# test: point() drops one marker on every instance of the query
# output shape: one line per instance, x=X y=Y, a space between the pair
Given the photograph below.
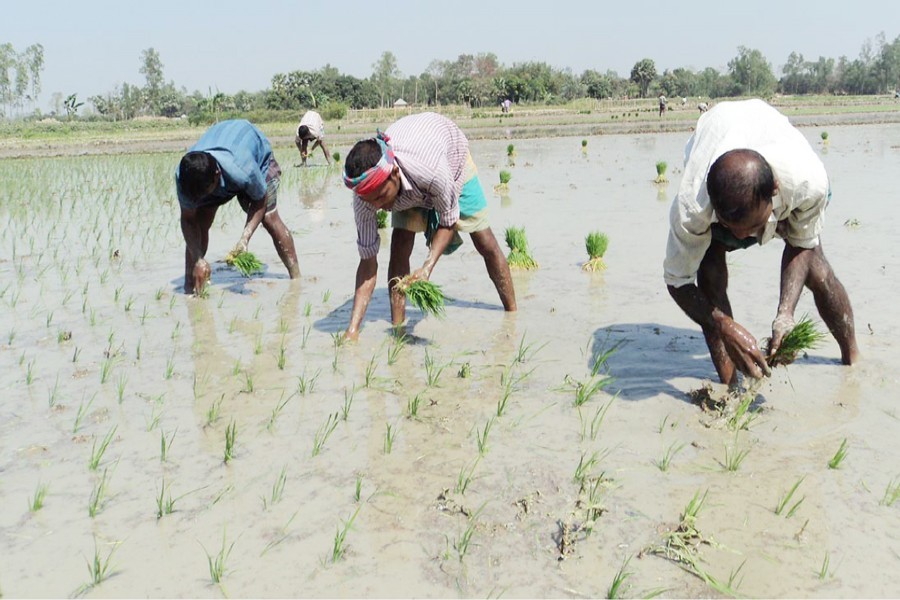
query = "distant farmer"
x=662 y=104
x=749 y=175
x=311 y=129
x=505 y=105
x=421 y=170
x=233 y=158
x=703 y=107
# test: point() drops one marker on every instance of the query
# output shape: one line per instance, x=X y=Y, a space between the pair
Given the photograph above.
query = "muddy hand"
x=781 y=326
x=743 y=350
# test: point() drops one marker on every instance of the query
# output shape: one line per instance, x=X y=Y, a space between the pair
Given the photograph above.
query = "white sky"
x=229 y=45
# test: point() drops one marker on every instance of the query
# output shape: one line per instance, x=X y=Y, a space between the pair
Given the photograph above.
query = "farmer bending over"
x=311 y=129
x=233 y=158
x=749 y=175
x=421 y=170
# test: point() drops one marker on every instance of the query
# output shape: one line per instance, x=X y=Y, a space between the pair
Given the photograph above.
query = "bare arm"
x=439 y=242
x=321 y=144
x=795 y=264
x=740 y=345
x=194 y=279
x=365 y=286
x=254 y=218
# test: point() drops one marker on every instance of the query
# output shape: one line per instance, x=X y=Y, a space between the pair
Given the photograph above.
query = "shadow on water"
x=648 y=356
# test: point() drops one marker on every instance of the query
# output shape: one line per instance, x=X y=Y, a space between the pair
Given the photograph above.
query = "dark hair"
x=302 y=131
x=363 y=156
x=737 y=182
x=196 y=173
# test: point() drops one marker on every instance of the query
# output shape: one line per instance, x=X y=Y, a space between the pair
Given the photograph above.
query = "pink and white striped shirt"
x=430 y=151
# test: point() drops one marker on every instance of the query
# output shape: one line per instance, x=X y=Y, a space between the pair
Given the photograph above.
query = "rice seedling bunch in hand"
x=245 y=262
x=518 y=249
x=381 y=218
x=423 y=294
x=595 y=243
x=804 y=336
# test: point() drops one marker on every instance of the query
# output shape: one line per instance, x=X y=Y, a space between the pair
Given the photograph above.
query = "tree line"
x=476 y=80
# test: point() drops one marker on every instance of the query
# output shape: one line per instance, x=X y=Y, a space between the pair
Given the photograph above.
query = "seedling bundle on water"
x=661 y=167
x=595 y=243
x=518 y=249
x=804 y=336
x=245 y=262
x=423 y=294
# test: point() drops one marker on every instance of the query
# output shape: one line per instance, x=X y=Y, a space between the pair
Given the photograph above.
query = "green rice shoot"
x=423 y=294
x=245 y=262
x=518 y=257
x=595 y=243
x=505 y=176
x=804 y=336
x=381 y=218
x=661 y=167
x=336 y=156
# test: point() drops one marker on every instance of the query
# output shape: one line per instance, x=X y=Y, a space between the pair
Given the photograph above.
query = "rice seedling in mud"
x=281 y=536
x=97 y=452
x=804 y=336
x=217 y=565
x=482 y=436
x=165 y=444
x=503 y=186
x=616 y=588
x=526 y=352
x=121 y=382
x=425 y=295
x=595 y=243
x=214 y=411
x=743 y=416
x=389 y=435
x=585 y=390
x=839 y=456
x=29 y=372
x=98 y=568
x=248 y=382
x=277 y=491
x=336 y=157
x=339 y=547
x=98 y=495
x=307 y=383
x=170 y=367
x=518 y=257
x=106 y=366
x=245 y=262
x=661 y=167
x=785 y=500
x=381 y=218
x=398 y=343
x=304 y=337
x=326 y=296
x=53 y=394
x=348 y=402
x=509 y=383
x=357 y=489
x=36 y=502
x=323 y=433
x=584 y=145
x=433 y=370
x=307 y=309
x=230 y=437
x=585 y=467
x=258 y=344
x=165 y=503
x=276 y=412
x=823 y=572
x=466 y=475
x=465 y=371
x=824 y=136
x=682 y=546
x=734 y=457
x=412 y=406
x=891 y=493
x=464 y=540
x=665 y=462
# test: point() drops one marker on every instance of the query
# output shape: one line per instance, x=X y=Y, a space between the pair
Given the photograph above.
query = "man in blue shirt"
x=233 y=158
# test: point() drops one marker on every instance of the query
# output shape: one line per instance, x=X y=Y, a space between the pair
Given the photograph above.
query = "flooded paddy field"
x=152 y=442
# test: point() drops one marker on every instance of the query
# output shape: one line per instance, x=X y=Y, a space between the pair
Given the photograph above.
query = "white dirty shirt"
x=799 y=200
x=314 y=121
x=431 y=152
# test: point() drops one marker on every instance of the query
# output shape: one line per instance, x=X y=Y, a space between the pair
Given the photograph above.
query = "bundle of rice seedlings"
x=518 y=249
x=336 y=156
x=510 y=150
x=804 y=336
x=245 y=262
x=381 y=217
x=423 y=294
x=661 y=167
x=503 y=186
x=595 y=243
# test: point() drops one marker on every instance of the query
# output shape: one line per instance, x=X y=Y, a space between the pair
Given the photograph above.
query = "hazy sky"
x=228 y=45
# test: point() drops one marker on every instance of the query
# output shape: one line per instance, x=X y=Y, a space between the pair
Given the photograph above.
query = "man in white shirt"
x=311 y=129
x=750 y=175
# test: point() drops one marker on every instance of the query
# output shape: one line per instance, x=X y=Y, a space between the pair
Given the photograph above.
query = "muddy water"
x=96 y=339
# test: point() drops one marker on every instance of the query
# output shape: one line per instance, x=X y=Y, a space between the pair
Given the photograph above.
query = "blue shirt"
x=243 y=154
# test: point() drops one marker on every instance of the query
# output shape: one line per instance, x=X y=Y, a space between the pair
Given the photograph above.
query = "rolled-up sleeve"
x=689 y=238
x=806 y=220
x=368 y=241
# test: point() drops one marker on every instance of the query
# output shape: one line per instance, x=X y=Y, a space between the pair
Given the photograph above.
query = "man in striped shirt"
x=420 y=169
x=233 y=158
